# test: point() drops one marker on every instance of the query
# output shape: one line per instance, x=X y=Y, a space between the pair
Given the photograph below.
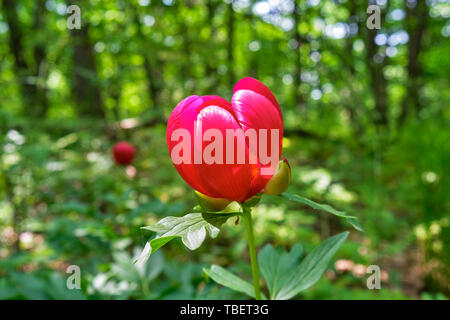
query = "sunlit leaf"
x=276 y=266
x=230 y=280
x=191 y=228
x=324 y=207
x=311 y=268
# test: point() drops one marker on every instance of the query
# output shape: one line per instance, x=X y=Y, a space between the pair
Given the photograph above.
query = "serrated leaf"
x=276 y=266
x=324 y=207
x=230 y=280
x=191 y=228
x=312 y=267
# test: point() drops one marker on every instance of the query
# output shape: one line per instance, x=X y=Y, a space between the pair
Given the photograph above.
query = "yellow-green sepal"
x=209 y=203
x=253 y=201
x=280 y=180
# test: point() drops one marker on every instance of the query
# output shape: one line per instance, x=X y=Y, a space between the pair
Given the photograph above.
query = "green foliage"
x=324 y=207
x=191 y=228
x=37 y=286
x=311 y=268
x=64 y=202
x=228 y=279
x=284 y=274
x=276 y=266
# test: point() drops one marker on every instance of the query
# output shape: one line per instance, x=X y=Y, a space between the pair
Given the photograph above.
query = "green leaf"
x=324 y=207
x=230 y=280
x=151 y=247
x=57 y=289
x=276 y=266
x=124 y=269
x=154 y=267
x=30 y=286
x=312 y=267
x=191 y=228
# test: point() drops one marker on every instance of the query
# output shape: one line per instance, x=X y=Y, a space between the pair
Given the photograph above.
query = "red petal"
x=254 y=111
x=252 y=84
x=229 y=181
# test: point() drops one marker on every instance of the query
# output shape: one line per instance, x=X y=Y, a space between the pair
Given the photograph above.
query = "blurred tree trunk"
x=153 y=70
x=349 y=58
x=31 y=76
x=211 y=63
x=415 y=25
x=115 y=89
x=85 y=83
x=298 y=98
x=375 y=65
x=253 y=58
x=41 y=66
x=230 y=44
x=17 y=49
x=186 y=70
x=353 y=10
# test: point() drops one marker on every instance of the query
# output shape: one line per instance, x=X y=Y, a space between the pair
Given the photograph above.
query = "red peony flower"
x=227 y=150
x=123 y=153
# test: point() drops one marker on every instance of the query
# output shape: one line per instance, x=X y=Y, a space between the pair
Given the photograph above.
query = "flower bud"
x=210 y=203
x=253 y=108
x=123 y=153
x=280 y=179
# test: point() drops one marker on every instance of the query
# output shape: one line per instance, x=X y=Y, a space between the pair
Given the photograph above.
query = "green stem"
x=144 y=287
x=251 y=246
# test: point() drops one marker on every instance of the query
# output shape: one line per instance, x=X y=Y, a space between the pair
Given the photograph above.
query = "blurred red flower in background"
x=123 y=153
